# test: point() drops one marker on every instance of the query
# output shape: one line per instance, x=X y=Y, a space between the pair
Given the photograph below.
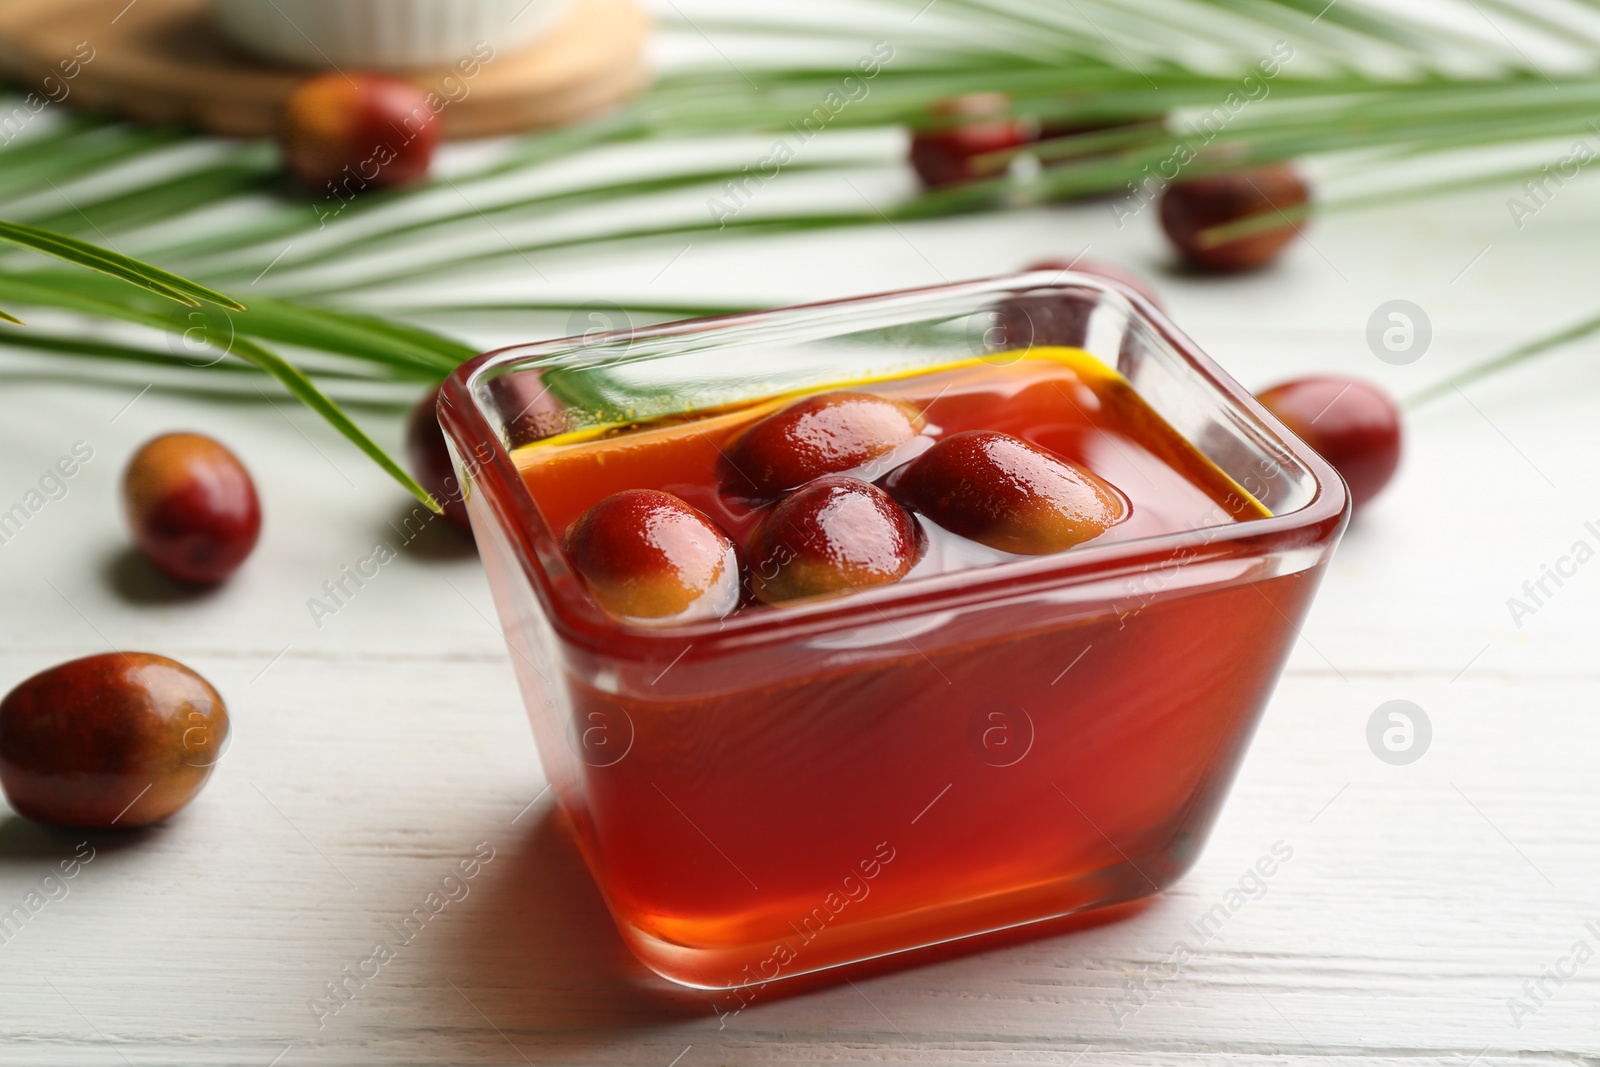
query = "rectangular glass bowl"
x=788 y=790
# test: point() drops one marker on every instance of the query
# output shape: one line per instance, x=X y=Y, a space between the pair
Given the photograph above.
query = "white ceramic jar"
x=382 y=35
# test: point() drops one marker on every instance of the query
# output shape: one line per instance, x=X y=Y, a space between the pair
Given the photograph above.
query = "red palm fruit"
x=430 y=460
x=1003 y=492
x=527 y=408
x=122 y=739
x=358 y=132
x=973 y=125
x=649 y=556
x=836 y=535
x=192 y=507
x=1189 y=208
x=1058 y=318
x=1351 y=424
x=823 y=434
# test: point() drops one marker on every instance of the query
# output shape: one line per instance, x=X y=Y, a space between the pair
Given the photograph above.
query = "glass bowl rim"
x=577 y=618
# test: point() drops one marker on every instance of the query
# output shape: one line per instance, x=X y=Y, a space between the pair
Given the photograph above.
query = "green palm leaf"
x=115 y=264
x=1375 y=88
x=401 y=347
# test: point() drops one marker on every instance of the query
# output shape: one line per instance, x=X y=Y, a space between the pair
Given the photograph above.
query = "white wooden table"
x=373 y=752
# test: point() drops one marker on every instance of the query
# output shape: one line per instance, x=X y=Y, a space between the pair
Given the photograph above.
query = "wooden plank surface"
x=373 y=752
x=162 y=61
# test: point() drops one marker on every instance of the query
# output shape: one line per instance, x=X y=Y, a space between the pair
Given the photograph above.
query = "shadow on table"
x=23 y=841
x=424 y=536
x=136 y=581
x=539 y=955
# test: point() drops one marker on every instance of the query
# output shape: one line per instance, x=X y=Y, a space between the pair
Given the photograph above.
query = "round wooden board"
x=161 y=61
